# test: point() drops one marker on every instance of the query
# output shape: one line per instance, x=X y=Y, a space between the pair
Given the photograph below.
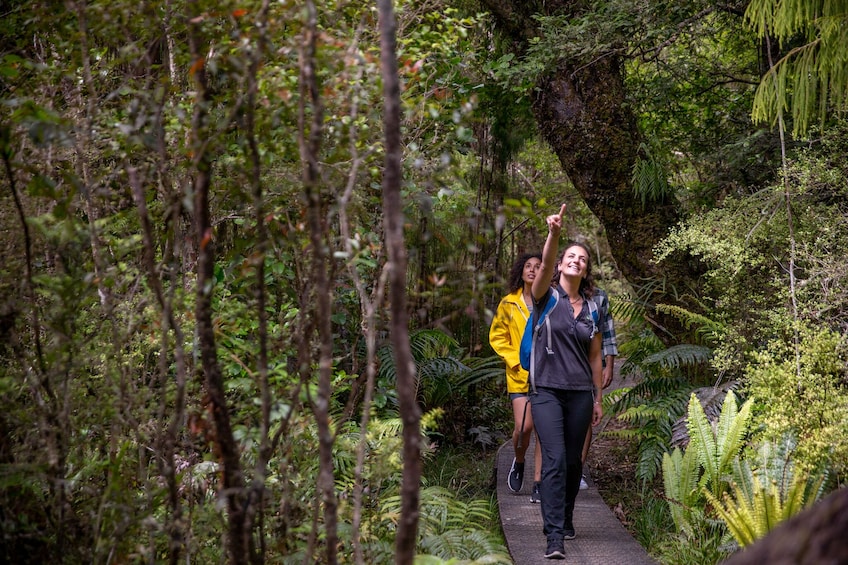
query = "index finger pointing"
x=562 y=210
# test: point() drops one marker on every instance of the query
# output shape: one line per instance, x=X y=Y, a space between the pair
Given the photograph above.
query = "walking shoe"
x=516 y=476
x=583 y=484
x=556 y=549
x=568 y=529
x=536 y=493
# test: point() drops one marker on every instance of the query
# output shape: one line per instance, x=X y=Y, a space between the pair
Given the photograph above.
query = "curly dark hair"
x=514 y=282
x=587 y=285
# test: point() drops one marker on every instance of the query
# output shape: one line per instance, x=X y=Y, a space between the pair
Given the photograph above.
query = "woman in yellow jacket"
x=505 y=338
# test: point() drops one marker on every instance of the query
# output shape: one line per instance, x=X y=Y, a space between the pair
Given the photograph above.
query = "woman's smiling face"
x=575 y=262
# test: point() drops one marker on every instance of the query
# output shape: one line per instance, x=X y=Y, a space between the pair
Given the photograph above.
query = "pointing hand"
x=554 y=221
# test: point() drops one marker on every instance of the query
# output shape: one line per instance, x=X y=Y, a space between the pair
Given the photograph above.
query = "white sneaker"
x=583 y=484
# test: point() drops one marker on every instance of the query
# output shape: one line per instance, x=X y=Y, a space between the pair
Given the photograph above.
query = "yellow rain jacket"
x=505 y=338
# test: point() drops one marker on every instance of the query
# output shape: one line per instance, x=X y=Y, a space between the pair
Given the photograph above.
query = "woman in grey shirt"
x=565 y=379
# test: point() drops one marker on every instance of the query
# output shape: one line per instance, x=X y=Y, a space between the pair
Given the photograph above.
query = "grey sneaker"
x=556 y=549
x=516 y=476
x=536 y=493
x=583 y=484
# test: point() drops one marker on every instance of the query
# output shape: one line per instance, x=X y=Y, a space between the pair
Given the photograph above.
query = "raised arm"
x=542 y=282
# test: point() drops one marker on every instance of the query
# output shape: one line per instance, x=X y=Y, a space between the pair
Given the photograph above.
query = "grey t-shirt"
x=565 y=364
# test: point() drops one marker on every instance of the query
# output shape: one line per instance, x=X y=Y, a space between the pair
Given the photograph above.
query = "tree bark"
x=310 y=143
x=410 y=413
x=581 y=111
x=226 y=445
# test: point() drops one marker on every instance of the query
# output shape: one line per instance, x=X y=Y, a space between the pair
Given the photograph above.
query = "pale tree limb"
x=369 y=304
x=796 y=336
x=167 y=459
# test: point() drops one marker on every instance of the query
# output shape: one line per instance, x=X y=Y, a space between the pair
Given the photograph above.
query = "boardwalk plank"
x=601 y=539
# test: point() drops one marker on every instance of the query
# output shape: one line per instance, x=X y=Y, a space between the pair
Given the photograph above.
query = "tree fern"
x=452 y=529
x=707 y=328
x=650 y=424
x=481 y=370
x=650 y=408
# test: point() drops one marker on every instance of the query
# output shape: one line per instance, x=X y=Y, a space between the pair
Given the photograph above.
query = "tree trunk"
x=310 y=143
x=581 y=111
x=410 y=413
x=226 y=447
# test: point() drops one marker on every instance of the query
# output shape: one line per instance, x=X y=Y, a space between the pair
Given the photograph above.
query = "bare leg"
x=523 y=427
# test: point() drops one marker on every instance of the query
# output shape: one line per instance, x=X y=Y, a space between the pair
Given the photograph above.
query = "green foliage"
x=717 y=447
x=765 y=495
x=780 y=383
x=653 y=407
x=446 y=379
x=710 y=544
x=678 y=356
x=651 y=521
x=451 y=528
x=697 y=121
x=705 y=464
x=680 y=480
x=744 y=247
x=650 y=179
x=703 y=468
x=811 y=79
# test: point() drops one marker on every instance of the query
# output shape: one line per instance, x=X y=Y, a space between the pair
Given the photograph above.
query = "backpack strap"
x=536 y=327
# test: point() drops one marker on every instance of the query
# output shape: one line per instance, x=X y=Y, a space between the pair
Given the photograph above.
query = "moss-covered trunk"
x=582 y=112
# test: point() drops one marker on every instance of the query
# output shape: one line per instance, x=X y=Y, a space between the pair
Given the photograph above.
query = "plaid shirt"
x=609 y=345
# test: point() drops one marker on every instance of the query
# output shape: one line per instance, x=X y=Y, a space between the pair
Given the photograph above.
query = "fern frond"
x=711 y=330
x=481 y=370
x=649 y=179
x=702 y=443
x=432 y=343
x=651 y=451
x=812 y=75
x=732 y=428
x=679 y=356
x=680 y=481
x=626 y=308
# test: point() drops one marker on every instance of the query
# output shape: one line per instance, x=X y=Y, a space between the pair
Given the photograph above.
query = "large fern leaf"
x=702 y=442
x=680 y=481
x=679 y=356
x=709 y=329
x=731 y=430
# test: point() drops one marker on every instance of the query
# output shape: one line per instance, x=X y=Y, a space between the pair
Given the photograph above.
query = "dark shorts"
x=514 y=395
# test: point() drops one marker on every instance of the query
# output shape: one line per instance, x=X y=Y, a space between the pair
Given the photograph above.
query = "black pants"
x=562 y=418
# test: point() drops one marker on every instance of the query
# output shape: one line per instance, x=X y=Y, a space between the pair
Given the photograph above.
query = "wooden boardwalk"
x=601 y=539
